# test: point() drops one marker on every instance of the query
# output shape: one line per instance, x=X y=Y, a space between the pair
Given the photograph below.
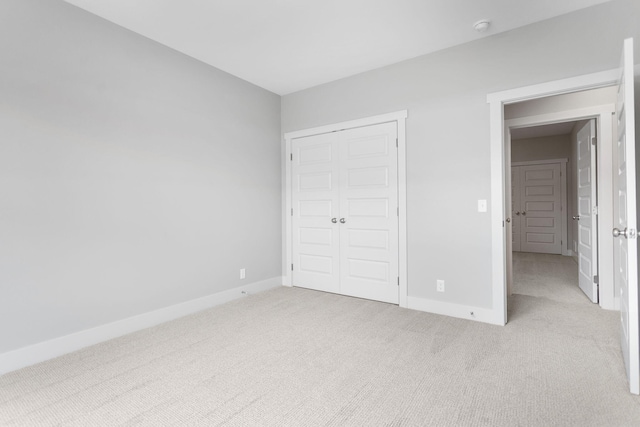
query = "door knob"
x=577 y=217
x=342 y=220
x=524 y=213
x=518 y=213
x=334 y=220
x=508 y=219
x=627 y=233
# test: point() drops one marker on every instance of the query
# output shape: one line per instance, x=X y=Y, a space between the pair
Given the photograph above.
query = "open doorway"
x=617 y=264
x=554 y=250
x=556 y=194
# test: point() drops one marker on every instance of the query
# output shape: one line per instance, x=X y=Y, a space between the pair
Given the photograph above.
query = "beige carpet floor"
x=293 y=357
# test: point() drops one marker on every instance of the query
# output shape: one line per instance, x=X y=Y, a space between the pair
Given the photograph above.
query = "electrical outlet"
x=440 y=285
x=242 y=273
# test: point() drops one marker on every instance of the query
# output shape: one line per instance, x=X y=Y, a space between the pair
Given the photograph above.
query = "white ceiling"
x=288 y=45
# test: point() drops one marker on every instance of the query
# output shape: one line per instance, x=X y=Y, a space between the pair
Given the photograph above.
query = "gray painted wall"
x=448 y=130
x=544 y=148
x=132 y=177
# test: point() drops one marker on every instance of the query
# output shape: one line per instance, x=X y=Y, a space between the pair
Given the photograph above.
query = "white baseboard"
x=26 y=356
x=455 y=310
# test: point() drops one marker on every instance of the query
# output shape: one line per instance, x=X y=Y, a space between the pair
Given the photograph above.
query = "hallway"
x=554 y=277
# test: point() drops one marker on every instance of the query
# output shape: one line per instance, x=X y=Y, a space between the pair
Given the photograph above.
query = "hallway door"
x=587 y=213
x=537 y=204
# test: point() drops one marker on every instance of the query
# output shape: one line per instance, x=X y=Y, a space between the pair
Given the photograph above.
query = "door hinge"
x=594 y=140
x=594 y=210
x=398 y=211
x=396 y=142
x=291 y=211
x=398 y=280
x=291 y=267
x=291 y=157
x=596 y=279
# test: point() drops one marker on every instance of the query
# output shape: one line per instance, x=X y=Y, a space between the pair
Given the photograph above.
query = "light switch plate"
x=482 y=205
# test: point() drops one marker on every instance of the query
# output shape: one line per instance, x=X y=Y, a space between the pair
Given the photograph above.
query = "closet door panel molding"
x=345 y=216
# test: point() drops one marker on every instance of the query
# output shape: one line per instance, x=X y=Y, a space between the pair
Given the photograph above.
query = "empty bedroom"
x=297 y=213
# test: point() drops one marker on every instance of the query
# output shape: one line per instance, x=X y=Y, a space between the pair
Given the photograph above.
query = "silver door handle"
x=518 y=213
x=523 y=213
x=508 y=219
x=627 y=233
x=577 y=217
x=342 y=220
x=334 y=220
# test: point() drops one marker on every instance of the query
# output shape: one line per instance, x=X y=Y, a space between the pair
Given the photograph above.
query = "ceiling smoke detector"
x=482 y=25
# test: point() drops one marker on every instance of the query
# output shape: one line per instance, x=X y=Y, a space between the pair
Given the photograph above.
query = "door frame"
x=287 y=243
x=499 y=160
x=603 y=115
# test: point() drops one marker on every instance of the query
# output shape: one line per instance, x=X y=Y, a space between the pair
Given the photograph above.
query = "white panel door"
x=587 y=220
x=368 y=212
x=625 y=249
x=316 y=192
x=540 y=209
x=516 y=218
x=345 y=218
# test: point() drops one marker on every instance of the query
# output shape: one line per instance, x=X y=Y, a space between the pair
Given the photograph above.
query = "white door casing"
x=508 y=217
x=500 y=165
x=398 y=119
x=625 y=227
x=587 y=214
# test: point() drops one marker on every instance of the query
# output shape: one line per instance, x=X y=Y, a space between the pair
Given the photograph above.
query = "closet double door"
x=536 y=208
x=345 y=212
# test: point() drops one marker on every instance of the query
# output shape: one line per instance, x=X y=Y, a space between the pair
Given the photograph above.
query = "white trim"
x=565 y=211
x=496 y=102
x=557 y=87
x=585 y=113
x=402 y=205
x=46 y=350
x=539 y=162
x=454 y=310
x=400 y=118
x=498 y=230
x=608 y=298
x=350 y=124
